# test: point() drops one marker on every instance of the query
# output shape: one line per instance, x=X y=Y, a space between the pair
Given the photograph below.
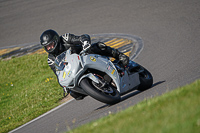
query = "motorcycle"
x=99 y=77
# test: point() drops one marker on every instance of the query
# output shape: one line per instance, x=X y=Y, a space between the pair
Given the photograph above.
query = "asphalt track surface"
x=169 y=30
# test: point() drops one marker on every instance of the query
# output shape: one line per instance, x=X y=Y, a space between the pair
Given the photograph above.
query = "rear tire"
x=99 y=95
x=146 y=80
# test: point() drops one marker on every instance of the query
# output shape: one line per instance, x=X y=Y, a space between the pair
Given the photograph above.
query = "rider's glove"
x=86 y=45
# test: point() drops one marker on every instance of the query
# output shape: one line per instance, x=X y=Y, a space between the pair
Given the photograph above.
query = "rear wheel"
x=146 y=80
x=102 y=91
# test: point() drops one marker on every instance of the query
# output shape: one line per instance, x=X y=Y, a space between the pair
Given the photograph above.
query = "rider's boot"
x=123 y=58
x=119 y=56
x=108 y=51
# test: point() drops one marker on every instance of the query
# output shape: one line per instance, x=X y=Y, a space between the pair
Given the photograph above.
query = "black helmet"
x=50 y=41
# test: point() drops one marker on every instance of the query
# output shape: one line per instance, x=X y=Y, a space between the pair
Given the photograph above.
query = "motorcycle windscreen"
x=60 y=62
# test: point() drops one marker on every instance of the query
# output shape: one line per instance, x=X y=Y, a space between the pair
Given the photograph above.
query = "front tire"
x=96 y=93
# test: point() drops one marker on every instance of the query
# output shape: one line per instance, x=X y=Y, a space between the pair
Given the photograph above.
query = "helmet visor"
x=50 y=46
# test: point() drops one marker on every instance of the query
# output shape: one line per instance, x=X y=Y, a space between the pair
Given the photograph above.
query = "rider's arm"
x=73 y=39
x=51 y=63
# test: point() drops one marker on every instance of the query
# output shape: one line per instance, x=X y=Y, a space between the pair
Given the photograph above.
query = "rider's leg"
x=102 y=49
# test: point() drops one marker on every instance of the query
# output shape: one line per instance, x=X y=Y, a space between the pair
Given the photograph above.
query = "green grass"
x=174 y=112
x=28 y=88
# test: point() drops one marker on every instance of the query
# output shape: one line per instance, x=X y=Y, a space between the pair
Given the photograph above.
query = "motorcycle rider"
x=55 y=45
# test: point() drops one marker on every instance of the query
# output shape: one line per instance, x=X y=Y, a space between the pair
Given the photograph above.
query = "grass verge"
x=28 y=88
x=174 y=112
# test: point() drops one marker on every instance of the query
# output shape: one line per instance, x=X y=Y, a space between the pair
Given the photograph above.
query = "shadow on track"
x=160 y=82
x=128 y=95
x=135 y=92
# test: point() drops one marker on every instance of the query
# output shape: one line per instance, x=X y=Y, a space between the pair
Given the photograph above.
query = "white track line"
x=41 y=116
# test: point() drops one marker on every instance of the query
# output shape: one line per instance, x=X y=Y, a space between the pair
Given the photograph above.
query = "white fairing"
x=66 y=77
x=71 y=68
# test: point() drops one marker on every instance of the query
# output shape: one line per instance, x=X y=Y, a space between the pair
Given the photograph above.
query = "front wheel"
x=107 y=94
x=146 y=80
